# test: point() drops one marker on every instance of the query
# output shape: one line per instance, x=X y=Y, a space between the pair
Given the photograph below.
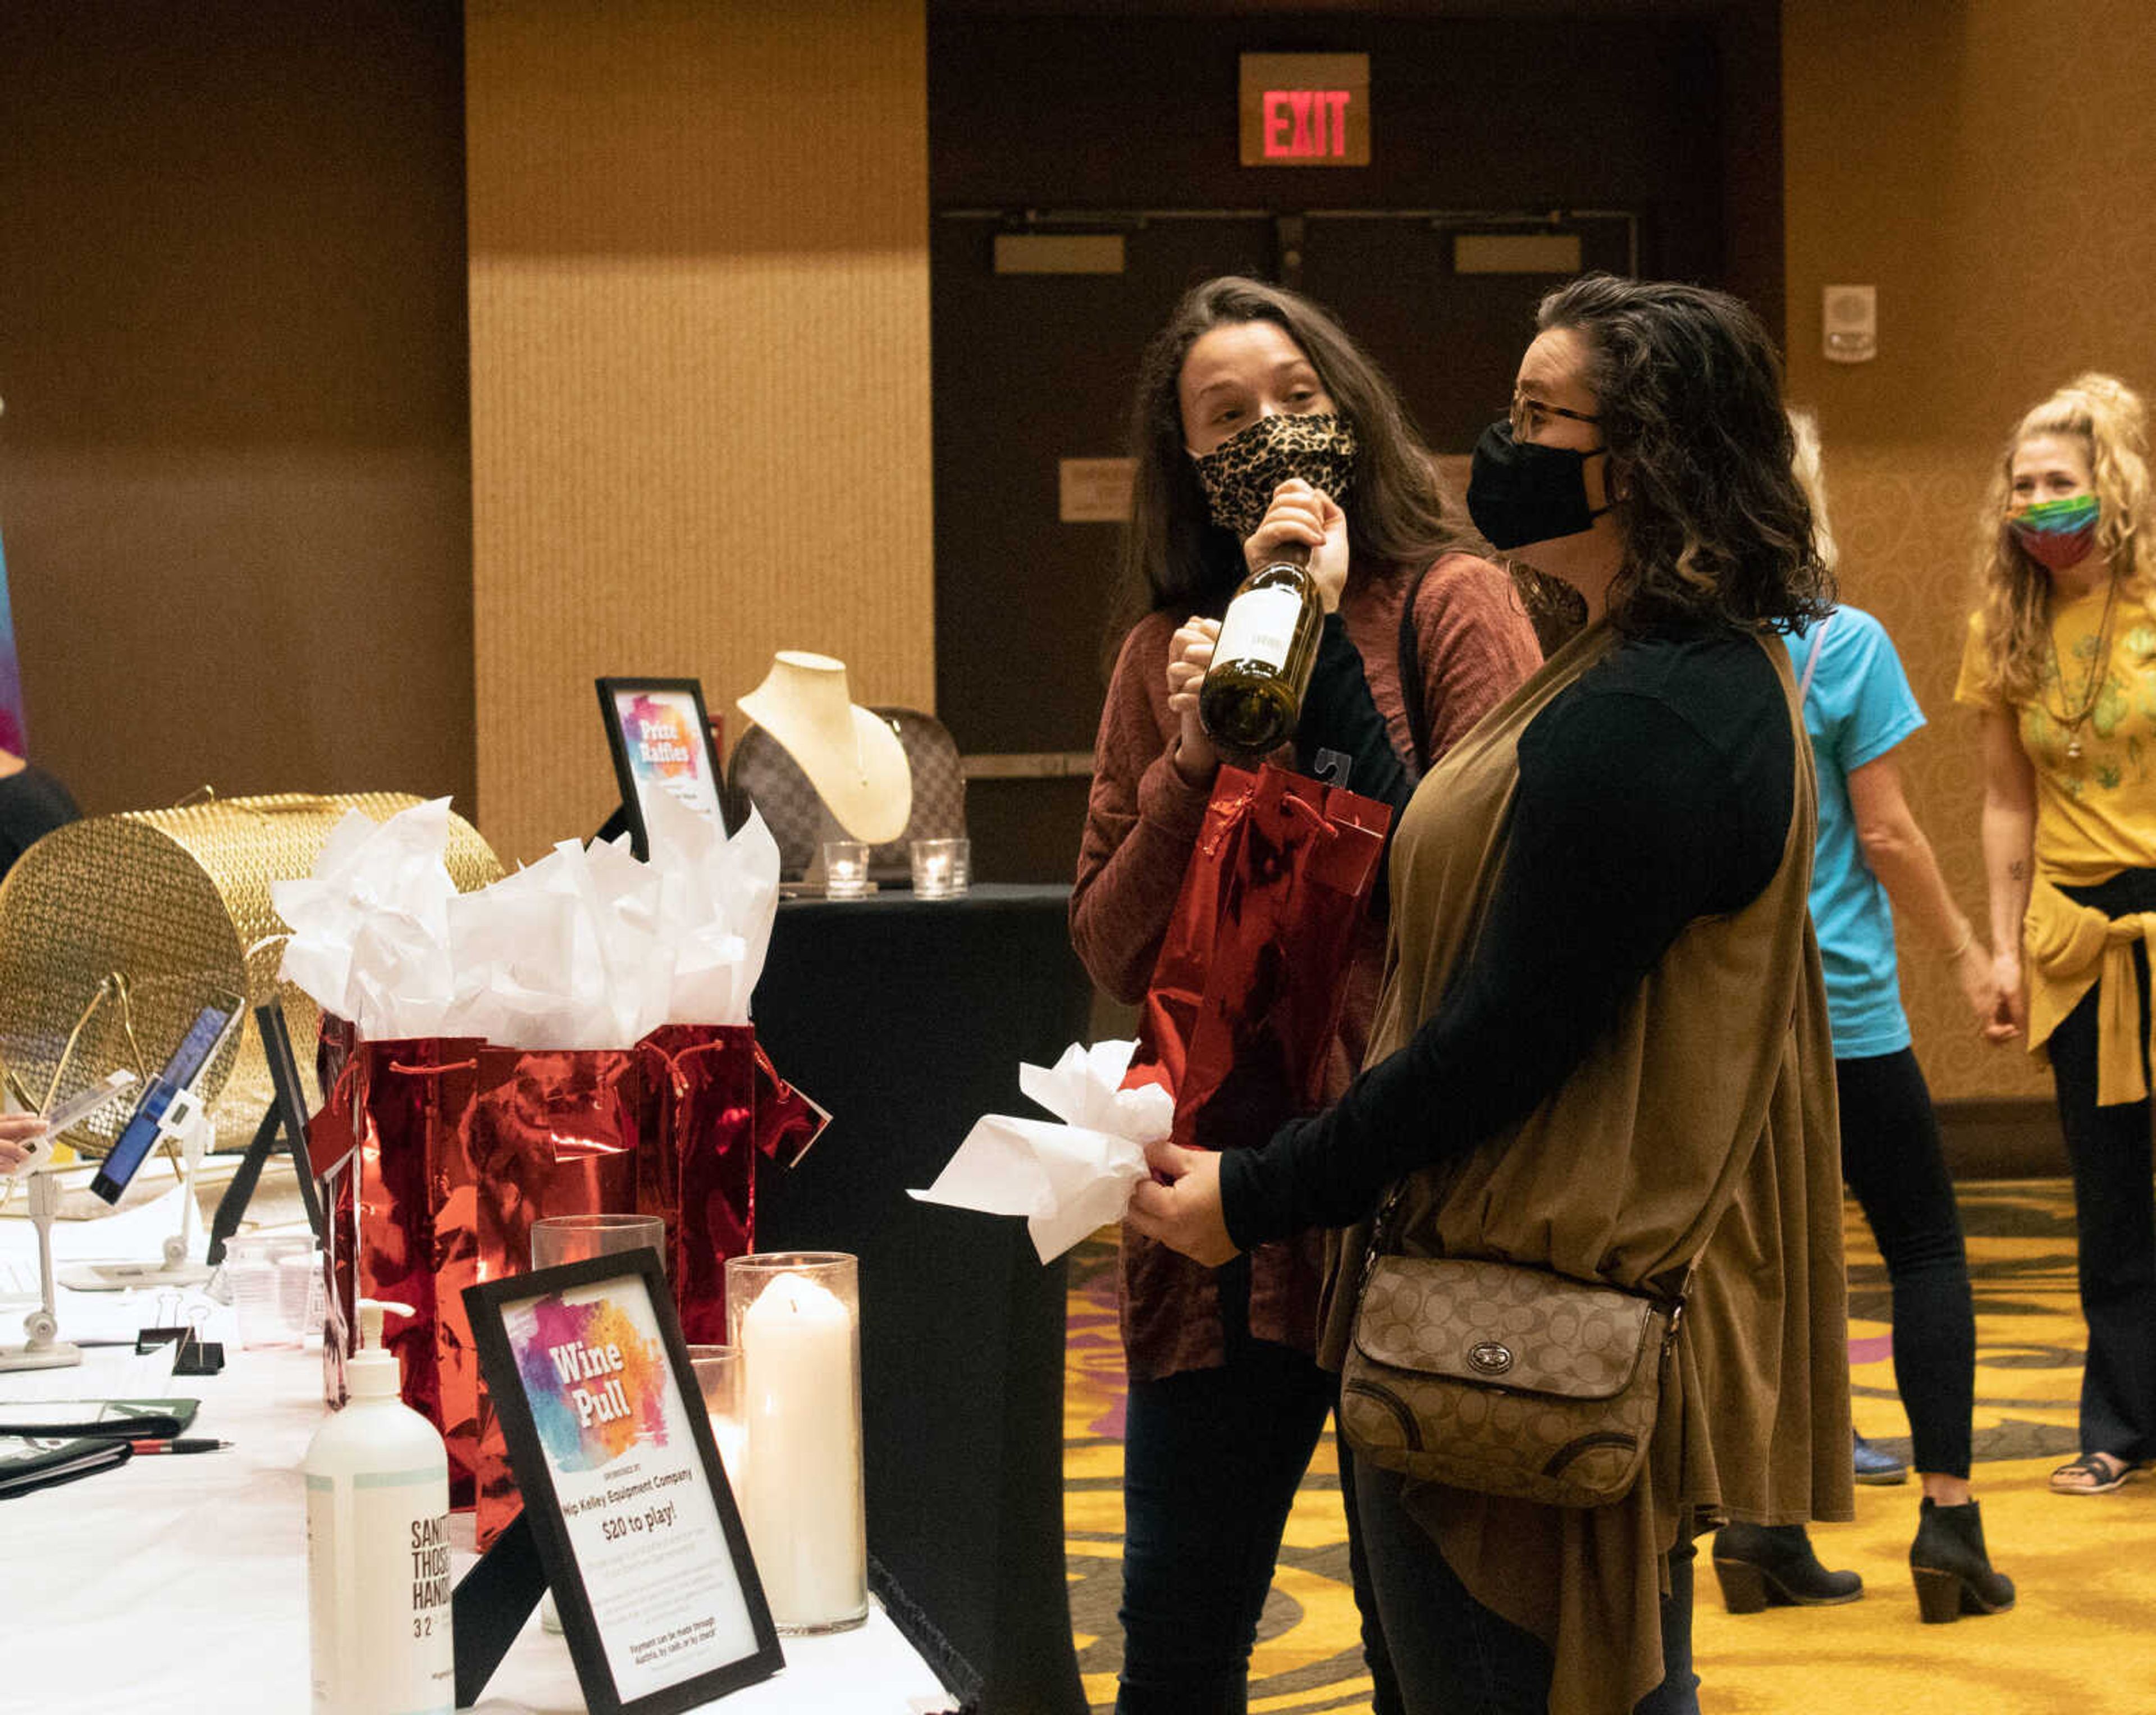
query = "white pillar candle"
x=804 y=1481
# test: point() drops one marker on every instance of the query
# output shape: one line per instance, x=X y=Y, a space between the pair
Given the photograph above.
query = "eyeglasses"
x=1528 y=416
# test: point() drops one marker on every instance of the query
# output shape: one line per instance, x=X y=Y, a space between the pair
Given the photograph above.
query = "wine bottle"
x=1251 y=696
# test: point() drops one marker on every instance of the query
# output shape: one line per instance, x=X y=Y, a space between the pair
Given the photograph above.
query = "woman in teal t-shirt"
x=1871 y=859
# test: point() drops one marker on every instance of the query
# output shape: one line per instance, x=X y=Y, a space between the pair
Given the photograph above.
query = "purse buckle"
x=1490 y=1357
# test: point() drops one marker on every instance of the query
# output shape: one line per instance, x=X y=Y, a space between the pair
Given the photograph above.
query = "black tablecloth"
x=907 y=1019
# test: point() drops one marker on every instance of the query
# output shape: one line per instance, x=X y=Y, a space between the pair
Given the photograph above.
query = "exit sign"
x=1306 y=109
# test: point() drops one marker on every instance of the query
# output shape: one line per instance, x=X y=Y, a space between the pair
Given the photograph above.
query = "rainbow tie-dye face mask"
x=2057 y=534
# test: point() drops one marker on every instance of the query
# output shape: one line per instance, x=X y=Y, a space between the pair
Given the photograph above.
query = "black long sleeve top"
x=1655 y=789
x=1340 y=714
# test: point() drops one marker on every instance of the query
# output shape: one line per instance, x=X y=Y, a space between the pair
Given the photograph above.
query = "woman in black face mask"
x=1601 y=1053
x=1248 y=392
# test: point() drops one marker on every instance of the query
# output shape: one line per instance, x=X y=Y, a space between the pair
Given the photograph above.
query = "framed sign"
x=662 y=741
x=623 y=1491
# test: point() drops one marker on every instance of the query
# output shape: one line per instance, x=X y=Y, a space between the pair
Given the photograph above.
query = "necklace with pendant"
x=2099 y=670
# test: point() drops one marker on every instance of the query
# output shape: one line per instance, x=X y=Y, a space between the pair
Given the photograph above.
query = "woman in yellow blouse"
x=2060 y=659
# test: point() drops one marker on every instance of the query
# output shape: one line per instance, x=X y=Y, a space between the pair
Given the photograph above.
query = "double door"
x=1034 y=368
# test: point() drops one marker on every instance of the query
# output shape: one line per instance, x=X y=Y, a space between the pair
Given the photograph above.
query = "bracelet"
x=1961 y=947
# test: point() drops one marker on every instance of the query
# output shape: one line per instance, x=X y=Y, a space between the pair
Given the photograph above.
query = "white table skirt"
x=180 y=1583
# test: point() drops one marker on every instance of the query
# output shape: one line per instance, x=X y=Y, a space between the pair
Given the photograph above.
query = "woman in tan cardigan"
x=1247 y=388
x=1602 y=1046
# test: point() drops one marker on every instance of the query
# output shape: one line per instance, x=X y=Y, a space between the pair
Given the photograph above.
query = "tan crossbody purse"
x=1504 y=1378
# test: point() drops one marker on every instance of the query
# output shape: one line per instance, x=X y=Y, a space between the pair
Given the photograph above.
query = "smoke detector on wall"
x=1849 y=323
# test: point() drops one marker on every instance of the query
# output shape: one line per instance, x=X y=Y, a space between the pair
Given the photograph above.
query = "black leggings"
x=1891 y=1158
x=2115 y=1230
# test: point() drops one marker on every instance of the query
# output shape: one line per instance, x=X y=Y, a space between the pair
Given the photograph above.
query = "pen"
x=192 y=1444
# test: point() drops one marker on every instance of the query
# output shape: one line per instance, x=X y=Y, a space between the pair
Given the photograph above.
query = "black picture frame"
x=489 y=1304
x=611 y=691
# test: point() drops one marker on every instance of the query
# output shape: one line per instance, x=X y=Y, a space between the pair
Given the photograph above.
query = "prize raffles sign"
x=667 y=748
x=661 y=740
x=614 y=1455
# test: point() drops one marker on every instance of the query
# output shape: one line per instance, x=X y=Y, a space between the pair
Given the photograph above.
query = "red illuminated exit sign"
x=1306 y=109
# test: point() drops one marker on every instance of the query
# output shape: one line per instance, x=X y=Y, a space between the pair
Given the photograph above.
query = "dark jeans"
x=1453 y=1656
x=1891 y=1158
x=1211 y=1461
x=2114 y=1209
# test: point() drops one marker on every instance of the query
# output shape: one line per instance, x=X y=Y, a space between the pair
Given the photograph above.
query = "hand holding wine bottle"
x=1302 y=515
x=1189 y=654
x=1251 y=696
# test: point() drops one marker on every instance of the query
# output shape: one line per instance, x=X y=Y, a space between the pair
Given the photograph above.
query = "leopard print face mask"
x=1240 y=474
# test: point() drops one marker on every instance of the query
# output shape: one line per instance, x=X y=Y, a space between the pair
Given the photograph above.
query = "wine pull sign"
x=1306 y=109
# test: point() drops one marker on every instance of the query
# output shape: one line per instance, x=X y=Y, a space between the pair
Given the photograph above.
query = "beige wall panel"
x=1996 y=193
x=700 y=368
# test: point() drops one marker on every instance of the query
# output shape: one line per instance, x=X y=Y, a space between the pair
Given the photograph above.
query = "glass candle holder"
x=718 y=1379
x=795 y=1316
x=940 y=867
x=556 y=1239
x=845 y=868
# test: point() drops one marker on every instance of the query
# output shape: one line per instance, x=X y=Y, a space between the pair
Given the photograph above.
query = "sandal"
x=2093 y=1474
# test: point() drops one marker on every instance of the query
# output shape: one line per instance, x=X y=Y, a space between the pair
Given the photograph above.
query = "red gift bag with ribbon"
x=1246 y=993
x=447 y=1150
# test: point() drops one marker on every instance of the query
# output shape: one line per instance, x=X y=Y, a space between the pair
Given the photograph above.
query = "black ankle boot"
x=1953 y=1574
x=1760 y=1564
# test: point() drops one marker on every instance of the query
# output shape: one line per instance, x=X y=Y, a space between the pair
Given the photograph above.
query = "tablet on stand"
x=170 y=1107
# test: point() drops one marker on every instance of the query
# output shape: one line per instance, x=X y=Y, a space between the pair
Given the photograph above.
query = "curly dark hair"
x=1174 y=558
x=1690 y=405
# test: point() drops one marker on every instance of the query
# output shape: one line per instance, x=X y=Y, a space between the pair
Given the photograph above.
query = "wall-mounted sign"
x=1094 y=490
x=1306 y=109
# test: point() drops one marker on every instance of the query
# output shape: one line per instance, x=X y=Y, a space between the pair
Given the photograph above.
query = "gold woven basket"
x=115 y=931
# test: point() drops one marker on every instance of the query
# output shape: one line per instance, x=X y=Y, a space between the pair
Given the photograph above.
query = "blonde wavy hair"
x=2107 y=417
x=1811 y=477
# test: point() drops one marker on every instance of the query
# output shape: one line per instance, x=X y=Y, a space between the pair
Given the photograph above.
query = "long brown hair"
x=2107 y=417
x=1174 y=558
x=1689 y=401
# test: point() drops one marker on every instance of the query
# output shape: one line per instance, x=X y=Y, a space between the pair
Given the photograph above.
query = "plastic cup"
x=260 y=1271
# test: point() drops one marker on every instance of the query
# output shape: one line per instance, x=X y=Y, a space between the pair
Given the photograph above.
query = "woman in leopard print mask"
x=1249 y=387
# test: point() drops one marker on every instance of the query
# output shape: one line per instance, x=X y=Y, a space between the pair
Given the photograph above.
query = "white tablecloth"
x=180 y=1583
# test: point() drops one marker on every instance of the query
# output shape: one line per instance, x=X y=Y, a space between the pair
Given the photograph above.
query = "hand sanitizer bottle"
x=379 y=1547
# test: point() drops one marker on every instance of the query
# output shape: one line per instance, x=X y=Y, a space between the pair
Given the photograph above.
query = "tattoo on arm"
x=2016 y=869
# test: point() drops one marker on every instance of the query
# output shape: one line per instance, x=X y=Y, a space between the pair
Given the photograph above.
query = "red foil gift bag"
x=457 y=1147
x=1247 y=990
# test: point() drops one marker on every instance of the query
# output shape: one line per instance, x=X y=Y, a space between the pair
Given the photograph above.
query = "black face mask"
x=1519 y=492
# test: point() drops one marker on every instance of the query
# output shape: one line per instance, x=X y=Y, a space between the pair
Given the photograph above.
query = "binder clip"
x=194 y=1355
x=191 y=1354
x=166 y=1331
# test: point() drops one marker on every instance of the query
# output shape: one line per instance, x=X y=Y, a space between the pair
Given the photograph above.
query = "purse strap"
x=1411 y=676
x=1672 y=1303
x=1812 y=661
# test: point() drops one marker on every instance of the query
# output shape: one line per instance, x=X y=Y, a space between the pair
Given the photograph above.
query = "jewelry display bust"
x=851 y=755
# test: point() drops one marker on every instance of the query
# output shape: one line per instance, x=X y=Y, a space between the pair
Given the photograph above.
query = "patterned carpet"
x=2082 y=1640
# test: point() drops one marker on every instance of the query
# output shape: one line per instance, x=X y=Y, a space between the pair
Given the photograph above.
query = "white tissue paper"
x=588 y=948
x=1069 y=1180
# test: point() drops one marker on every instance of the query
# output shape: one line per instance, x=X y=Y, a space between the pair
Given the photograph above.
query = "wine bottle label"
x=1259 y=627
